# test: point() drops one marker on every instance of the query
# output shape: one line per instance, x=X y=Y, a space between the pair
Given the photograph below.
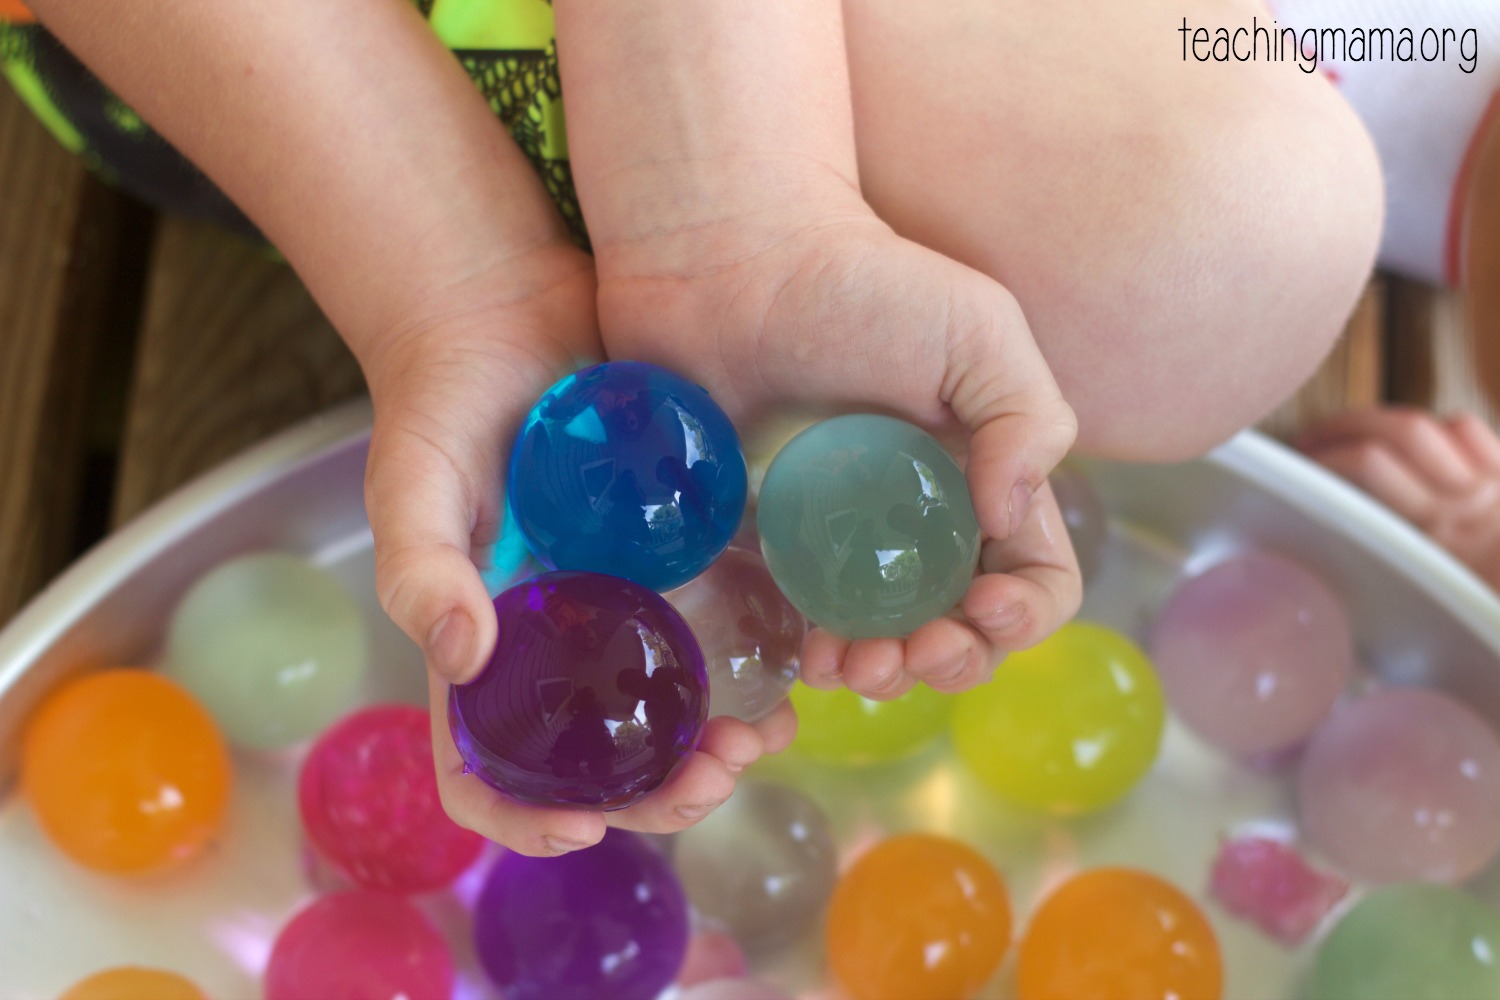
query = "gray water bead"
x=762 y=865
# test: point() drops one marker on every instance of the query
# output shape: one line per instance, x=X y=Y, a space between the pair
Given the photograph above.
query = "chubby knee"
x=1254 y=216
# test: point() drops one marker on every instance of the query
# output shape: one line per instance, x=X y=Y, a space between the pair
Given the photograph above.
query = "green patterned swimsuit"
x=506 y=46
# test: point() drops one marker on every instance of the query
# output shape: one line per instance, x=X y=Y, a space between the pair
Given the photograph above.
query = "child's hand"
x=838 y=310
x=450 y=388
x=1441 y=475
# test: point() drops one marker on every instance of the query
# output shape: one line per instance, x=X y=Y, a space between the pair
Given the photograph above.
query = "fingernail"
x=1004 y=618
x=1020 y=503
x=449 y=643
x=696 y=812
x=557 y=845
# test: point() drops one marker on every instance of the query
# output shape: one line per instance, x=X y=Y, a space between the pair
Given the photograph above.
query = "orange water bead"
x=1112 y=933
x=15 y=11
x=129 y=982
x=126 y=771
x=918 y=916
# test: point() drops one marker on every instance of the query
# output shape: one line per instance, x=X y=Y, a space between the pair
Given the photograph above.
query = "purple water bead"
x=606 y=922
x=595 y=693
x=1253 y=652
x=1403 y=785
x=750 y=634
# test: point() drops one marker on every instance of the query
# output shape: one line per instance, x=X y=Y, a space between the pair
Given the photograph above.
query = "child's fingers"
x=779 y=728
x=948 y=656
x=1478 y=441
x=823 y=659
x=528 y=829
x=876 y=669
x=697 y=788
x=1379 y=471
x=1029 y=584
x=1416 y=437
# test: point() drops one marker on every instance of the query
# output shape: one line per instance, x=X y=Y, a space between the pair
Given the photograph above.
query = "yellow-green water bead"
x=844 y=728
x=1067 y=726
x=273 y=646
x=867 y=526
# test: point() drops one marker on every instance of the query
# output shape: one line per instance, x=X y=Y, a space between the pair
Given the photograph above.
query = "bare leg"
x=1185 y=239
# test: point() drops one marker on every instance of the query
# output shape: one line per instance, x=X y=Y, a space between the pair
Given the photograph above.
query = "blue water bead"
x=628 y=469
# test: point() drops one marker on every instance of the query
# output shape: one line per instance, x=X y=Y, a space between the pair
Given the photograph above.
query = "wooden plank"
x=1352 y=375
x=69 y=292
x=232 y=349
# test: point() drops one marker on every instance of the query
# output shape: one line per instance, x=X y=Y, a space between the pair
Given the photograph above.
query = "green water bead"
x=1411 y=942
x=273 y=646
x=867 y=526
x=843 y=728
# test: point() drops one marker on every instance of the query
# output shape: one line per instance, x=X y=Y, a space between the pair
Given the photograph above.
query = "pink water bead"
x=1253 y=653
x=750 y=634
x=360 y=945
x=369 y=800
x=1268 y=883
x=1403 y=785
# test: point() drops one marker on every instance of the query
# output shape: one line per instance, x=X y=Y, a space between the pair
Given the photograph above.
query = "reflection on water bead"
x=749 y=632
x=1253 y=652
x=1403 y=785
x=360 y=945
x=628 y=469
x=867 y=525
x=606 y=921
x=1067 y=726
x=130 y=982
x=1084 y=514
x=369 y=800
x=843 y=728
x=918 y=916
x=1410 y=942
x=761 y=865
x=126 y=771
x=272 y=645
x=594 y=694
x=1112 y=933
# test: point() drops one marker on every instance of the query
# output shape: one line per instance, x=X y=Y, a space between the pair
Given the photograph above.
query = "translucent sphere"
x=134 y=983
x=126 y=772
x=918 y=916
x=867 y=525
x=1083 y=513
x=1065 y=727
x=1112 y=933
x=842 y=727
x=594 y=694
x=272 y=645
x=359 y=945
x=1253 y=653
x=628 y=469
x=606 y=921
x=1403 y=785
x=1408 y=941
x=761 y=865
x=750 y=634
x=369 y=800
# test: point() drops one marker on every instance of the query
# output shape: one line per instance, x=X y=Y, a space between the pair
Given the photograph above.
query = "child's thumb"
x=423 y=521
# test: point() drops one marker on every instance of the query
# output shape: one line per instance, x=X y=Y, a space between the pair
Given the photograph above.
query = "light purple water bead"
x=1403 y=785
x=1253 y=653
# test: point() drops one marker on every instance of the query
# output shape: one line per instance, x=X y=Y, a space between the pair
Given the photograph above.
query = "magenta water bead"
x=595 y=693
x=1403 y=785
x=609 y=921
x=369 y=801
x=1253 y=652
x=359 y=945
